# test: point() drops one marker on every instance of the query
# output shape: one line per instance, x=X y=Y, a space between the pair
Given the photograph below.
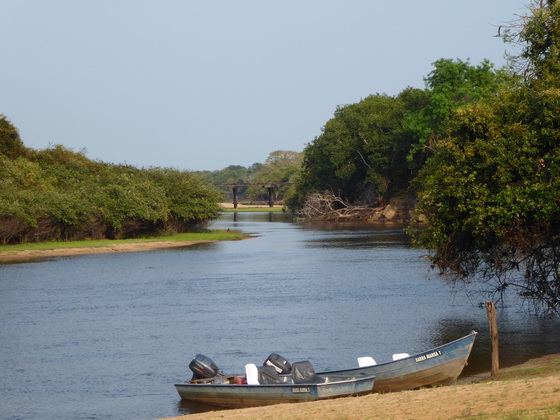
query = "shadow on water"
x=262 y=216
x=188 y=407
x=521 y=337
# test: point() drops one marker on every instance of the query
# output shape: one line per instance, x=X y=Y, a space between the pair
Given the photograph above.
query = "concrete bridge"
x=270 y=186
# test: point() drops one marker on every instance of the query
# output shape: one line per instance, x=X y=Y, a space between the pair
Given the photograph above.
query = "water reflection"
x=189 y=407
x=126 y=325
x=260 y=216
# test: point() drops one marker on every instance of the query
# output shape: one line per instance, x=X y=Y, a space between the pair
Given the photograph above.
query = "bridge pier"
x=234 y=189
x=270 y=186
x=270 y=196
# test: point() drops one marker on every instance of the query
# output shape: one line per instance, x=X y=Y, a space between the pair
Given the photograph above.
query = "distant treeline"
x=60 y=194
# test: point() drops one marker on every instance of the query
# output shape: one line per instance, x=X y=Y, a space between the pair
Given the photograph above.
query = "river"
x=106 y=336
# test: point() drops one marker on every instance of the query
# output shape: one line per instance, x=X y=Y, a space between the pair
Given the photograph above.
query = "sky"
x=205 y=84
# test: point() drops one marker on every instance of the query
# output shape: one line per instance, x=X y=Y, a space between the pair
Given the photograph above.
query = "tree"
x=537 y=35
x=233 y=174
x=280 y=166
x=10 y=143
x=452 y=84
x=59 y=194
x=491 y=190
x=361 y=153
x=370 y=151
x=284 y=158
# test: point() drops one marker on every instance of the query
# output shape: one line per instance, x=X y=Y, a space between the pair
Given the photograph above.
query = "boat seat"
x=398 y=356
x=303 y=373
x=366 y=361
x=268 y=375
x=252 y=374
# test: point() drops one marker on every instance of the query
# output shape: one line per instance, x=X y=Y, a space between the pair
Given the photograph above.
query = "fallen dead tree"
x=328 y=207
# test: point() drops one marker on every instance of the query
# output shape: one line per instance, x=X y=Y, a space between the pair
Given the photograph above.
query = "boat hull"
x=439 y=366
x=241 y=396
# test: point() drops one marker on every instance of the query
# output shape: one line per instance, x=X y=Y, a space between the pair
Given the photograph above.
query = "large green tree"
x=452 y=84
x=10 y=142
x=371 y=150
x=491 y=192
x=361 y=153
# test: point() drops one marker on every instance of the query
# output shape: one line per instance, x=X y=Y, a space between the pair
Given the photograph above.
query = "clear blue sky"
x=211 y=83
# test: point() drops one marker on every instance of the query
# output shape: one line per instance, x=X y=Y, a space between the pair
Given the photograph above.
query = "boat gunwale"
x=472 y=334
x=357 y=379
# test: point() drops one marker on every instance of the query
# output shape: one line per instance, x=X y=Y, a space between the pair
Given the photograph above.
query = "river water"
x=106 y=336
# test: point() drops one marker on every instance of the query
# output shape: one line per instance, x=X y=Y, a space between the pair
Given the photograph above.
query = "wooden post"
x=491 y=311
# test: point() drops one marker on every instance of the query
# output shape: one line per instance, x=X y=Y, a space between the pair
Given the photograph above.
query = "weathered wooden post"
x=491 y=311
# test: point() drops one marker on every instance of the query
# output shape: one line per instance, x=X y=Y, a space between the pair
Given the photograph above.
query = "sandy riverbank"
x=528 y=391
x=22 y=255
x=265 y=207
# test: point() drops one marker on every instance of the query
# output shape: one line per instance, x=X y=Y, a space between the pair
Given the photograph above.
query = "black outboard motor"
x=281 y=365
x=203 y=367
x=305 y=374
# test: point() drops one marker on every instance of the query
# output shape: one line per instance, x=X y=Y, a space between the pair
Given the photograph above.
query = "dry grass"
x=528 y=391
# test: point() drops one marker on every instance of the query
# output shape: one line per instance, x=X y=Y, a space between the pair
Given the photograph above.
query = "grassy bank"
x=528 y=391
x=247 y=208
x=53 y=249
x=210 y=235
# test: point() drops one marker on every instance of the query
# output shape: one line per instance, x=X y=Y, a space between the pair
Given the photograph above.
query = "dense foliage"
x=59 y=194
x=491 y=191
x=371 y=150
x=478 y=149
x=361 y=153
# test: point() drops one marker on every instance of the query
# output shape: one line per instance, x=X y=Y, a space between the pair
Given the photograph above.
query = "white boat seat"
x=366 y=361
x=398 y=356
x=252 y=374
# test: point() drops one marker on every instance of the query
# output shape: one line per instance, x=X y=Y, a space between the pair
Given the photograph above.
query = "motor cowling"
x=281 y=365
x=203 y=367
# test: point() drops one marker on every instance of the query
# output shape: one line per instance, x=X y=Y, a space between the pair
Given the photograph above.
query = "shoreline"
x=530 y=390
x=15 y=256
x=23 y=255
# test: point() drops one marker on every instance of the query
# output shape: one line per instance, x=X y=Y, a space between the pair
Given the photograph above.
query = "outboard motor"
x=281 y=365
x=305 y=374
x=203 y=367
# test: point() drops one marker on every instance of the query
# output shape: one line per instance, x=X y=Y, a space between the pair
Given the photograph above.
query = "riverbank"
x=31 y=252
x=527 y=391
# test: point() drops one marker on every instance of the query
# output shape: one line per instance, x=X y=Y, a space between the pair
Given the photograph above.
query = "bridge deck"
x=268 y=185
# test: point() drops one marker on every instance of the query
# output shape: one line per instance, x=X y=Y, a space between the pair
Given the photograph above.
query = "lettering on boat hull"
x=428 y=356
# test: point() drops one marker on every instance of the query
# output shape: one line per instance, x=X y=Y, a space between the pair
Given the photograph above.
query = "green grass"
x=207 y=235
x=527 y=371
